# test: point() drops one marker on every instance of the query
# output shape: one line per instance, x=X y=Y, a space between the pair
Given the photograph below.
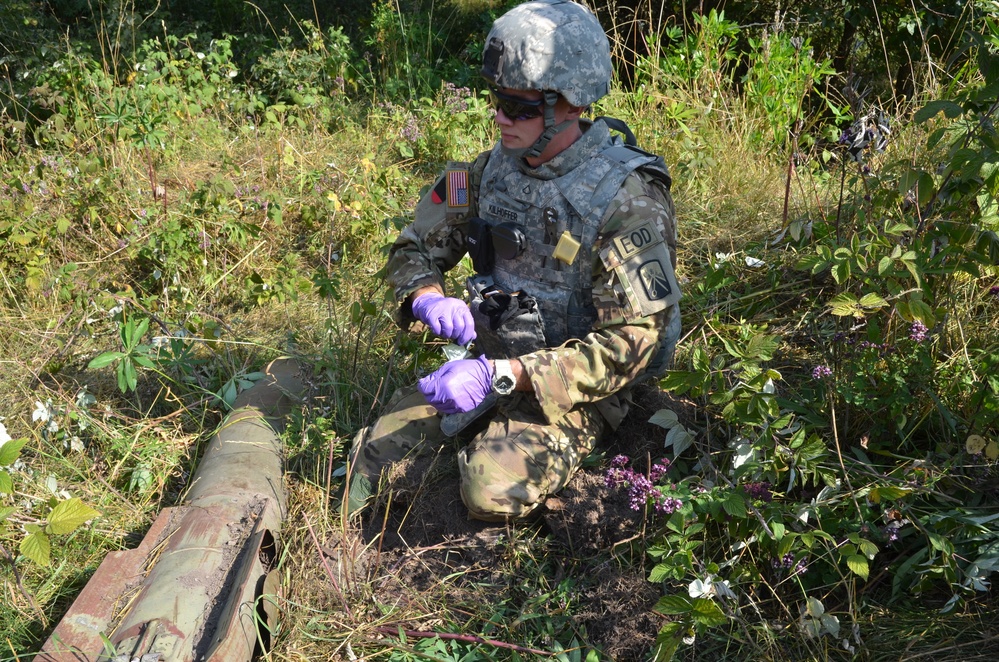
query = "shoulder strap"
x=475 y=181
x=634 y=157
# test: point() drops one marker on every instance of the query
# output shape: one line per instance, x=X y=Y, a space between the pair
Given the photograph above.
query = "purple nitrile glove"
x=458 y=386
x=447 y=317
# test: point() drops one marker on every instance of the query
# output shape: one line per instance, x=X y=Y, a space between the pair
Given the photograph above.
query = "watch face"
x=503 y=379
x=503 y=385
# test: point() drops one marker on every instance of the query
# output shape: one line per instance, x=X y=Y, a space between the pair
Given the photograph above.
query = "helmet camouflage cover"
x=555 y=45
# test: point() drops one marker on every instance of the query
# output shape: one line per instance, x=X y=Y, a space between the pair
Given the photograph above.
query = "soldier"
x=572 y=235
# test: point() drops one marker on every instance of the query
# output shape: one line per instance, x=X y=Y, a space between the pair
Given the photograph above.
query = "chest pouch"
x=509 y=240
x=479 y=243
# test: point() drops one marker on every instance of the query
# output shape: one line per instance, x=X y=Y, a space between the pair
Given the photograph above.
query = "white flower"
x=710 y=587
x=4 y=437
x=84 y=398
x=41 y=413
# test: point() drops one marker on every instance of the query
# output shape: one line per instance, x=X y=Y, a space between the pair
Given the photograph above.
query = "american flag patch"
x=457 y=188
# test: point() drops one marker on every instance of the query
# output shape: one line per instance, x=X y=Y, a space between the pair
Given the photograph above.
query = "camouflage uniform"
x=607 y=306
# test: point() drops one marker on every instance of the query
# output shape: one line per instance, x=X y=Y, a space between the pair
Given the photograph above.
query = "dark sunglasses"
x=516 y=108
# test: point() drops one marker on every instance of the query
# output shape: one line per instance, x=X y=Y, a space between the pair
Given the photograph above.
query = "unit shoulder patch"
x=640 y=258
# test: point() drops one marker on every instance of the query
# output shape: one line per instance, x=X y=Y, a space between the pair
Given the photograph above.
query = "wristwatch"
x=503 y=379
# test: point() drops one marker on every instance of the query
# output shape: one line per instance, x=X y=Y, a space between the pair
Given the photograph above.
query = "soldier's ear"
x=575 y=112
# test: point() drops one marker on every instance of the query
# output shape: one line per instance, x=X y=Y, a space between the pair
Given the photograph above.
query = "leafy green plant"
x=59 y=517
x=782 y=74
x=700 y=58
x=10 y=450
x=135 y=353
x=63 y=517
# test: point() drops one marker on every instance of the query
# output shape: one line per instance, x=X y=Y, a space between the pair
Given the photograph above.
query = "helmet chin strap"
x=551 y=130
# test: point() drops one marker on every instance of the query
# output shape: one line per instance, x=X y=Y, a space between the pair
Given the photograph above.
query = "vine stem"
x=20 y=585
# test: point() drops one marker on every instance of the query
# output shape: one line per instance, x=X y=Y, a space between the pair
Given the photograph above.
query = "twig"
x=465 y=638
x=322 y=557
x=24 y=591
x=839 y=456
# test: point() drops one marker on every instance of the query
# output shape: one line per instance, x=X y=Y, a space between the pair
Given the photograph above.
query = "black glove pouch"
x=507 y=324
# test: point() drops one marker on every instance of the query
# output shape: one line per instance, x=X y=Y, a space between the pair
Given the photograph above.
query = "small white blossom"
x=84 y=398
x=4 y=436
x=42 y=413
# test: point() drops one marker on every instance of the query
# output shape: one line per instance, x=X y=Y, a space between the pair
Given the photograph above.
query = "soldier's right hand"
x=447 y=317
x=458 y=386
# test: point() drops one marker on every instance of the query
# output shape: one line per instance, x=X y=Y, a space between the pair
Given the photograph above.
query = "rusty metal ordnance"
x=197 y=587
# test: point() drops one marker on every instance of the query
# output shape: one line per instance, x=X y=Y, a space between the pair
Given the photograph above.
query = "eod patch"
x=640 y=258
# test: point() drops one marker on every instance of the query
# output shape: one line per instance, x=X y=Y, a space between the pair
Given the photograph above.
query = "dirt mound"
x=418 y=539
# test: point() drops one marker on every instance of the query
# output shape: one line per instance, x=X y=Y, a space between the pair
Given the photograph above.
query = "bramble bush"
x=864 y=457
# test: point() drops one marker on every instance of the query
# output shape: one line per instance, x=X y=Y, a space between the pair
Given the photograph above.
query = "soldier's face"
x=522 y=132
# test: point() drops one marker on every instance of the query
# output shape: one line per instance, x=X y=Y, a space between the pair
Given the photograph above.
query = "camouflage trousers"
x=513 y=462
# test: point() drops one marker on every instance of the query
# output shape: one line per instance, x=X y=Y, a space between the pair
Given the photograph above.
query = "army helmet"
x=549 y=45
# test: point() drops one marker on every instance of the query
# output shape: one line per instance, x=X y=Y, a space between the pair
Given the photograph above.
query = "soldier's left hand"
x=458 y=386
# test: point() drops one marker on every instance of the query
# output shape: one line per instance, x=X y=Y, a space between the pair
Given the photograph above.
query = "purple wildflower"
x=658 y=471
x=917 y=332
x=761 y=491
x=616 y=477
x=890 y=531
x=620 y=461
x=821 y=371
x=668 y=505
x=640 y=491
x=784 y=562
x=641 y=488
x=454 y=98
x=994 y=291
x=411 y=131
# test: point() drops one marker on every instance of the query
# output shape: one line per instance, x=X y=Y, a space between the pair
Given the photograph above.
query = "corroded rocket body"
x=198 y=586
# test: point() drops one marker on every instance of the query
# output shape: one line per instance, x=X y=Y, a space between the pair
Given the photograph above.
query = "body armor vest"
x=556 y=295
